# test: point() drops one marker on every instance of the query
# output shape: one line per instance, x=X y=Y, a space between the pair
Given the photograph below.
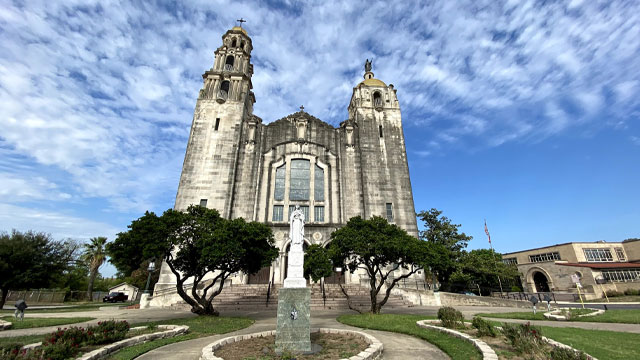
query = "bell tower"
x=222 y=111
x=386 y=188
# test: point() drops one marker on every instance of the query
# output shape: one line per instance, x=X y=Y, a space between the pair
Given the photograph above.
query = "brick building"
x=245 y=168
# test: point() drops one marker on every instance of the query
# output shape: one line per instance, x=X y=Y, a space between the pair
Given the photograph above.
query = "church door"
x=261 y=277
x=542 y=285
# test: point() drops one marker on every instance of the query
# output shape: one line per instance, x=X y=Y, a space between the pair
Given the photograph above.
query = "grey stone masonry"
x=243 y=168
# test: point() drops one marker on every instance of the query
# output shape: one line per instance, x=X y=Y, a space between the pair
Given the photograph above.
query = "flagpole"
x=495 y=263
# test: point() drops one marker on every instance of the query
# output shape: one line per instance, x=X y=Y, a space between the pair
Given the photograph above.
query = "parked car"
x=115 y=297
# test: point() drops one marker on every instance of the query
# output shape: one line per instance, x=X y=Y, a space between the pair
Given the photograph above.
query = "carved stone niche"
x=301 y=127
x=348 y=131
x=251 y=132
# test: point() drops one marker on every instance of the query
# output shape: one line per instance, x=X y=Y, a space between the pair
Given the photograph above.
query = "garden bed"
x=571 y=313
x=336 y=344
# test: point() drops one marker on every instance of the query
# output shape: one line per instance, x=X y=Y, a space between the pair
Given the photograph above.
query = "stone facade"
x=243 y=168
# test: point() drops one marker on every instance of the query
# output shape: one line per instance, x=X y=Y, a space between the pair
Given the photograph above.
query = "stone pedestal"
x=293 y=328
x=144 y=301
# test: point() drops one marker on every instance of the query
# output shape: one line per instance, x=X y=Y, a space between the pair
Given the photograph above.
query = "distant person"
x=534 y=301
x=548 y=300
x=20 y=306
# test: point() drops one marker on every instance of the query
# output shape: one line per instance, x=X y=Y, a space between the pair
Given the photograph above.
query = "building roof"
x=615 y=265
x=562 y=244
x=238 y=28
x=373 y=82
x=124 y=283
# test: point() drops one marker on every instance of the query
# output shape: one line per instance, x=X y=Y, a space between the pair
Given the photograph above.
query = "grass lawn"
x=406 y=324
x=72 y=308
x=198 y=327
x=626 y=298
x=30 y=322
x=602 y=344
x=22 y=340
x=631 y=316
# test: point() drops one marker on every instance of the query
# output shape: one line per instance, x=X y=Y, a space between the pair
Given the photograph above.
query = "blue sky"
x=521 y=112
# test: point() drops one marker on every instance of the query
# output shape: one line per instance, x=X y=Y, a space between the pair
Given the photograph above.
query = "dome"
x=238 y=28
x=373 y=82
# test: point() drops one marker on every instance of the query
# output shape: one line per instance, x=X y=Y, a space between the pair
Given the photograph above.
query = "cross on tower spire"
x=301 y=107
x=241 y=20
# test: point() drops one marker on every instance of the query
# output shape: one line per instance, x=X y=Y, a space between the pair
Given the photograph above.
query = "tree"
x=481 y=268
x=132 y=249
x=198 y=243
x=317 y=263
x=440 y=230
x=94 y=256
x=382 y=250
x=30 y=260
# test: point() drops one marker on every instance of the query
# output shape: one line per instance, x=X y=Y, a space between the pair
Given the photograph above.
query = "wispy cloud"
x=98 y=97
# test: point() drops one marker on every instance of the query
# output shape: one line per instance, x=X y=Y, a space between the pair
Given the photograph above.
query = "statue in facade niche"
x=367 y=65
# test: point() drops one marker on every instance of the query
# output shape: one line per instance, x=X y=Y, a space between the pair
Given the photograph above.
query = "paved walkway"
x=396 y=346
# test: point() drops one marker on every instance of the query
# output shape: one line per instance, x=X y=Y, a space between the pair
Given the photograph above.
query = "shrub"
x=450 y=317
x=60 y=350
x=524 y=338
x=613 y=293
x=73 y=336
x=559 y=353
x=107 y=332
x=632 y=292
x=515 y=288
x=484 y=327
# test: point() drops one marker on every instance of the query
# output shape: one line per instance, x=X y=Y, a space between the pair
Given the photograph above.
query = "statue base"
x=294 y=283
x=294 y=326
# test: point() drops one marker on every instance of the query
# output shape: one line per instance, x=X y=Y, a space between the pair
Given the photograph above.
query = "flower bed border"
x=477 y=343
x=171 y=331
x=373 y=352
x=553 y=314
x=486 y=350
x=5 y=325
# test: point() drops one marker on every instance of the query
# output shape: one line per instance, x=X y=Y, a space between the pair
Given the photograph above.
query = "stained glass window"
x=279 y=190
x=318 y=213
x=300 y=175
x=319 y=184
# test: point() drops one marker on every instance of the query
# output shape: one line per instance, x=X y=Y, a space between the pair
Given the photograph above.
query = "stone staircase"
x=254 y=297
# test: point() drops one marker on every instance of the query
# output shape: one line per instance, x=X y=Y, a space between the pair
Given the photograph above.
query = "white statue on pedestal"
x=295 y=273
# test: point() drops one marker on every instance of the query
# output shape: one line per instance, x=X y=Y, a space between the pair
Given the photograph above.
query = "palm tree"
x=94 y=255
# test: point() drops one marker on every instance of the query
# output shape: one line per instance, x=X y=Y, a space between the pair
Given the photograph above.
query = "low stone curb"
x=373 y=352
x=171 y=331
x=486 y=350
x=554 y=314
x=5 y=325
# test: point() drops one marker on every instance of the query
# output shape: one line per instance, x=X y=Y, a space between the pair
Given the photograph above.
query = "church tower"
x=224 y=105
x=374 y=114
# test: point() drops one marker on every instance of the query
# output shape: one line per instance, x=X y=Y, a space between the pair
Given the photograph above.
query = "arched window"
x=377 y=99
x=279 y=188
x=228 y=64
x=234 y=43
x=223 y=94
x=300 y=176
x=318 y=184
x=242 y=44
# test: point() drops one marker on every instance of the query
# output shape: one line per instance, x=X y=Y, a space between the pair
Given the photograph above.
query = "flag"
x=486 y=231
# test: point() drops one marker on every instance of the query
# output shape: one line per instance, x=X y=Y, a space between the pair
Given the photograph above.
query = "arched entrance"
x=541 y=282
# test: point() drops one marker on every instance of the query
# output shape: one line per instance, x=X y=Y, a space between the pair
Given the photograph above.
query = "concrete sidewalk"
x=396 y=346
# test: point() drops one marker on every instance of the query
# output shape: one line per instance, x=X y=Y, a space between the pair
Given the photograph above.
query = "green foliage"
x=450 y=317
x=614 y=293
x=205 y=243
x=439 y=230
x=107 y=332
x=558 y=353
x=524 y=338
x=317 y=263
x=94 y=256
x=632 y=292
x=482 y=267
x=34 y=322
x=484 y=327
x=380 y=248
x=31 y=260
x=143 y=241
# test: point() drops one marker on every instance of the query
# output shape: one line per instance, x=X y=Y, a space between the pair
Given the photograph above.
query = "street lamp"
x=151 y=268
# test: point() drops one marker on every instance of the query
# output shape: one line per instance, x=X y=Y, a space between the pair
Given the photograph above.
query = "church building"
x=242 y=167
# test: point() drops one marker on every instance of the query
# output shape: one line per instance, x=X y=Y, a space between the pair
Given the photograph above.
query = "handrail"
x=269 y=289
x=324 y=295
